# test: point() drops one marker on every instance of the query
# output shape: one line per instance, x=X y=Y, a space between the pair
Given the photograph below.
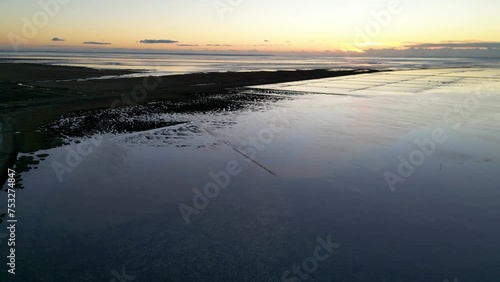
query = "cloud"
x=265 y=40
x=219 y=45
x=187 y=45
x=456 y=44
x=96 y=43
x=267 y=44
x=158 y=41
x=57 y=39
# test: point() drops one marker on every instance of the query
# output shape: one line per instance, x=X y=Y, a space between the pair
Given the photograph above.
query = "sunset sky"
x=258 y=25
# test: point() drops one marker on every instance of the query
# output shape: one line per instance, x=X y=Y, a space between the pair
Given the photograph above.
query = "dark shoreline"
x=33 y=95
x=46 y=83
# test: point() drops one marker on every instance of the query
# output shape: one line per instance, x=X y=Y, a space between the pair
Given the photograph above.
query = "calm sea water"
x=107 y=207
x=166 y=63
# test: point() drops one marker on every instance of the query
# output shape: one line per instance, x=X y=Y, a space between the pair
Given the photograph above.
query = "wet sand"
x=43 y=97
x=23 y=72
x=50 y=79
x=329 y=144
x=33 y=95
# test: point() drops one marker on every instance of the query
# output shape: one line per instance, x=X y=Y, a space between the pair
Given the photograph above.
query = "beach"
x=223 y=172
x=44 y=92
x=33 y=95
x=250 y=141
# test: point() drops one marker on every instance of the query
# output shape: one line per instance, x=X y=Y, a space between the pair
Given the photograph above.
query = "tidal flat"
x=394 y=172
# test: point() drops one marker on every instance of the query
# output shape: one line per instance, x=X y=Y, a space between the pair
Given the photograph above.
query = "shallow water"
x=182 y=63
x=305 y=165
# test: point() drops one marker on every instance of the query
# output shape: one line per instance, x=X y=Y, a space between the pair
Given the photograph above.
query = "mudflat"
x=43 y=92
x=33 y=95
